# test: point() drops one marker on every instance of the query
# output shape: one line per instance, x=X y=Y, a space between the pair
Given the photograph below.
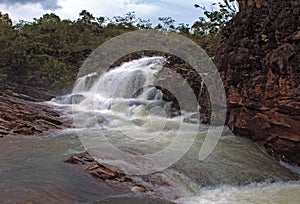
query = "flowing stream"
x=122 y=108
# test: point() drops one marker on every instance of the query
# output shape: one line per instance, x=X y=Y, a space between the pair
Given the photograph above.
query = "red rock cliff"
x=259 y=61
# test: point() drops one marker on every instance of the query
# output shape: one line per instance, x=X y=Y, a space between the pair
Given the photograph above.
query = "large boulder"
x=258 y=59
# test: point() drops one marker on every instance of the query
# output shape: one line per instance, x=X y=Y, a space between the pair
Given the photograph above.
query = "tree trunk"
x=259 y=62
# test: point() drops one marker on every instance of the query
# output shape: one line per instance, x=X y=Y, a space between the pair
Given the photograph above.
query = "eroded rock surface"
x=103 y=173
x=258 y=59
x=22 y=115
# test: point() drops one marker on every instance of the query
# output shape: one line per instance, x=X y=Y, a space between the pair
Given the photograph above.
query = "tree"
x=168 y=23
x=7 y=46
x=127 y=21
x=86 y=17
x=49 y=19
x=207 y=29
x=101 y=21
x=5 y=20
x=183 y=28
x=214 y=20
x=144 y=24
x=49 y=51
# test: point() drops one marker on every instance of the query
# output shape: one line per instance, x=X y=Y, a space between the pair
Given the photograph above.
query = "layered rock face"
x=259 y=62
x=22 y=115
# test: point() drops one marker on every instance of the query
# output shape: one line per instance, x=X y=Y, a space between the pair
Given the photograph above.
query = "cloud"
x=108 y=8
x=46 y=4
x=23 y=11
x=181 y=11
x=145 y=9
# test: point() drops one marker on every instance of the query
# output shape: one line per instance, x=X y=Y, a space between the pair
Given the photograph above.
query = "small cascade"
x=84 y=83
x=126 y=89
x=125 y=81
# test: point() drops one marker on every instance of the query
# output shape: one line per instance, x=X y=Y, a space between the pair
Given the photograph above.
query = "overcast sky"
x=182 y=11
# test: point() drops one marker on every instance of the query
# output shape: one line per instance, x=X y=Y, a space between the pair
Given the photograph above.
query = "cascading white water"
x=132 y=115
x=126 y=89
x=84 y=83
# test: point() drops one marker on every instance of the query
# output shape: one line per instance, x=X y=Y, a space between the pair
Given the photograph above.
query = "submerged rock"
x=104 y=173
x=70 y=99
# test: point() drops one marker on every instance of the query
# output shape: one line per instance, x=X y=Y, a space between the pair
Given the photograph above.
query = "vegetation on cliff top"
x=48 y=52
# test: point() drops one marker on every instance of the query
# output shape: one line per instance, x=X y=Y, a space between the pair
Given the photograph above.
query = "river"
x=127 y=126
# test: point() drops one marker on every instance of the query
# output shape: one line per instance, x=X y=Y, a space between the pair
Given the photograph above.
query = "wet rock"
x=166 y=78
x=22 y=115
x=27 y=92
x=262 y=74
x=104 y=173
x=71 y=99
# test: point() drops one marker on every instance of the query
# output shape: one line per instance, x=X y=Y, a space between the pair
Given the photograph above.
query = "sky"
x=182 y=11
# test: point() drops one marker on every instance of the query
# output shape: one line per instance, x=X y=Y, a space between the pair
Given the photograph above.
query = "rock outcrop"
x=22 y=115
x=103 y=173
x=259 y=61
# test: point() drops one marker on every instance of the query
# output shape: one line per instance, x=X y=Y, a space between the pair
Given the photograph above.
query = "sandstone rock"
x=24 y=116
x=104 y=173
x=262 y=77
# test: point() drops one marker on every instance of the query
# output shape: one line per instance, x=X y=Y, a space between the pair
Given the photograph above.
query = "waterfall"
x=123 y=114
x=84 y=83
x=126 y=89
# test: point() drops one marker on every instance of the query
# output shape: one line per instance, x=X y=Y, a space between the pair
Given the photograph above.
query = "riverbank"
x=24 y=115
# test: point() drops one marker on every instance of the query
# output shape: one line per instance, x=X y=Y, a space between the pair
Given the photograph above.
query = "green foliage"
x=264 y=38
x=214 y=20
x=167 y=23
x=5 y=20
x=48 y=52
x=206 y=30
x=86 y=17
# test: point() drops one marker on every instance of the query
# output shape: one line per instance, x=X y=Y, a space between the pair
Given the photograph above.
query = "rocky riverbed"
x=28 y=163
x=23 y=115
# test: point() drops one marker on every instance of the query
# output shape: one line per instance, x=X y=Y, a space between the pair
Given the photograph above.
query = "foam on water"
x=260 y=193
x=131 y=114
